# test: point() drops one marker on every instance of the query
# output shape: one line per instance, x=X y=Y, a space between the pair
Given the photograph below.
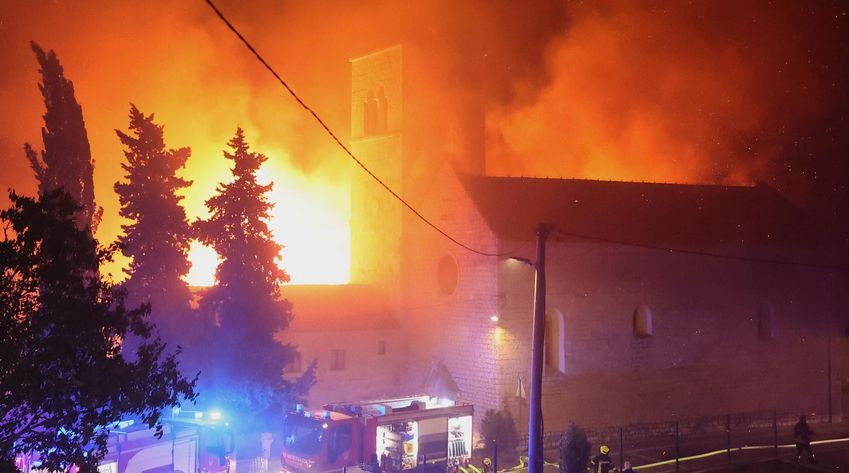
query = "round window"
x=447 y=275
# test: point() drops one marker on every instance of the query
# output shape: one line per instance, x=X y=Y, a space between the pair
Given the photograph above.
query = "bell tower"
x=376 y=139
x=409 y=125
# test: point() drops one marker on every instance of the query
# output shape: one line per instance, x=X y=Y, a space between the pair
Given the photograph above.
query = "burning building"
x=664 y=300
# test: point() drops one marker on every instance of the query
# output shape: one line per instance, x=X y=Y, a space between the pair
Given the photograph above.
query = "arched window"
x=555 y=341
x=447 y=275
x=643 y=323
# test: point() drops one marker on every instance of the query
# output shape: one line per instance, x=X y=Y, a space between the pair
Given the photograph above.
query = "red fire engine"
x=425 y=433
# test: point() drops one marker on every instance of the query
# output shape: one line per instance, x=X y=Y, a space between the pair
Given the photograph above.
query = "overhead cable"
x=443 y=232
x=338 y=141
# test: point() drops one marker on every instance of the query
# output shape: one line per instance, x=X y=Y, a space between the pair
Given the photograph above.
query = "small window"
x=381 y=347
x=337 y=360
x=766 y=322
x=295 y=365
x=643 y=326
x=555 y=342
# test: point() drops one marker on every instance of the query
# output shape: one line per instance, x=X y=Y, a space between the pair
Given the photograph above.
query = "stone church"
x=663 y=300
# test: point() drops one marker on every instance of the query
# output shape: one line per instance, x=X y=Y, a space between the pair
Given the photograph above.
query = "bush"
x=574 y=450
x=498 y=426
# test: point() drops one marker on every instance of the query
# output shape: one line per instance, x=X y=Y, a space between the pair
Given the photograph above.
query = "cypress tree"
x=66 y=160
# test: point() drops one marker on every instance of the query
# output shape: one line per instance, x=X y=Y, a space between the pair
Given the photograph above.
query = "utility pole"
x=535 y=452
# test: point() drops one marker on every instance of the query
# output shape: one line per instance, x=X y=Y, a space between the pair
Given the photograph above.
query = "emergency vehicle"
x=425 y=433
x=192 y=442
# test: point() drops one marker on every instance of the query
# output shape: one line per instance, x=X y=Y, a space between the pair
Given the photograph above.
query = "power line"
x=444 y=233
x=337 y=140
x=701 y=253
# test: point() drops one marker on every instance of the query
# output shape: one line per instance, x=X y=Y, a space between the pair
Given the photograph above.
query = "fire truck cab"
x=423 y=433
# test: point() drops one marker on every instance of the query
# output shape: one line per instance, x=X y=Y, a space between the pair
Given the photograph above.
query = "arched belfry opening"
x=370 y=114
x=382 y=105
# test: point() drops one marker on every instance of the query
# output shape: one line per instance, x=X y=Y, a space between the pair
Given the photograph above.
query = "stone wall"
x=706 y=355
x=367 y=373
x=449 y=320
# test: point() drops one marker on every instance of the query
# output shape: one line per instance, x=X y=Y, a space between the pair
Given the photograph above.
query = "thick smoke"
x=670 y=91
x=713 y=92
x=178 y=61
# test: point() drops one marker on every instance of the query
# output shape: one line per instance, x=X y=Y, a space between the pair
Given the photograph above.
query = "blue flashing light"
x=198 y=415
x=175 y=411
x=326 y=414
x=299 y=408
x=124 y=424
x=307 y=414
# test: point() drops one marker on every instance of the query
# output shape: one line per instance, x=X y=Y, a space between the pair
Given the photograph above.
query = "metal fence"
x=679 y=439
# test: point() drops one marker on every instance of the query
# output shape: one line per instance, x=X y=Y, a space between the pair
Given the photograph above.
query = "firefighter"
x=487 y=465
x=803 y=433
x=602 y=462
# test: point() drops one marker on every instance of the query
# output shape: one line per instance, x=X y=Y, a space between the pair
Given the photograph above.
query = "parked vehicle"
x=411 y=433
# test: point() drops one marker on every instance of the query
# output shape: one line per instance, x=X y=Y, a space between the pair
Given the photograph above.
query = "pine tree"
x=158 y=235
x=66 y=372
x=246 y=302
x=66 y=160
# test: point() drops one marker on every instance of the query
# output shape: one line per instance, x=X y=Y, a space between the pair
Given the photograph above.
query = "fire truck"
x=423 y=433
x=192 y=442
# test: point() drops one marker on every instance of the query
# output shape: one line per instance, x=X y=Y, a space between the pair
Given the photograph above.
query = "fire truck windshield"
x=302 y=435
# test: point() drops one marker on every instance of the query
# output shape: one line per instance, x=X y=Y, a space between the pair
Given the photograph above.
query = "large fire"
x=661 y=91
x=310 y=218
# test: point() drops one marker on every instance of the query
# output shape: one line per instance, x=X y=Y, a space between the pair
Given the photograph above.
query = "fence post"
x=677 y=449
x=495 y=456
x=775 y=431
x=621 y=450
x=728 y=438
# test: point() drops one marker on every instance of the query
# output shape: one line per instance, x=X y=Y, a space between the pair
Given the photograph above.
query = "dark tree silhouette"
x=157 y=237
x=574 y=450
x=64 y=377
x=246 y=362
x=498 y=427
x=66 y=160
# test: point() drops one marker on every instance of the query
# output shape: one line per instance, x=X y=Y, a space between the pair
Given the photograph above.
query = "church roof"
x=641 y=212
x=348 y=307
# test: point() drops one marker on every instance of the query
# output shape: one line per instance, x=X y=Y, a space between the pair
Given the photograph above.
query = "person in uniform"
x=602 y=462
x=803 y=433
